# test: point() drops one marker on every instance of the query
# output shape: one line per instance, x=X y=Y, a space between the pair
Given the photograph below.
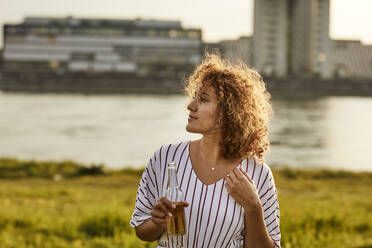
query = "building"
x=291 y=37
x=351 y=59
x=143 y=47
x=269 y=37
x=238 y=49
x=234 y=50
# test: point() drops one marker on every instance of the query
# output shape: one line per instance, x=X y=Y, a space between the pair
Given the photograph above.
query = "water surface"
x=125 y=130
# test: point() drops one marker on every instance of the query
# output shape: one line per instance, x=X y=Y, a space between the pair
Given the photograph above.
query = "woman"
x=229 y=191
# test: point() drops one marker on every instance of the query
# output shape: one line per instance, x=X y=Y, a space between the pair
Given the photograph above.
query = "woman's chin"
x=191 y=129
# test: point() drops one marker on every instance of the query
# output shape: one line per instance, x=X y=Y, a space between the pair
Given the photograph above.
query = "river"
x=125 y=130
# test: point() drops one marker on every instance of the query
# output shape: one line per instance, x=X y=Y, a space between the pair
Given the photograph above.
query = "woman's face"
x=203 y=111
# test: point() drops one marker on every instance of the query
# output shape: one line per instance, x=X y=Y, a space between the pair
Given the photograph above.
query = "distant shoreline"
x=120 y=83
x=13 y=168
x=320 y=87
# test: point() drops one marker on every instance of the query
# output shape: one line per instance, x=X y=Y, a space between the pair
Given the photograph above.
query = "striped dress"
x=213 y=218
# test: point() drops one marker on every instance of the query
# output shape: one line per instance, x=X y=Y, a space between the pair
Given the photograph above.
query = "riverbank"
x=67 y=204
x=319 y=87
x=129 y=83
x=87 y=83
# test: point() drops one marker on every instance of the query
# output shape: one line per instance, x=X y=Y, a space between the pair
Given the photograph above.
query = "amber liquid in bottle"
x=176 y=223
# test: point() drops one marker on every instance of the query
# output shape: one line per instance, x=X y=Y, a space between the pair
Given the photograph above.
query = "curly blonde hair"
x=243 y=102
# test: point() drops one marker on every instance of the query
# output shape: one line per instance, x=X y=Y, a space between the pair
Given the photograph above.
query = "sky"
x=218 y=19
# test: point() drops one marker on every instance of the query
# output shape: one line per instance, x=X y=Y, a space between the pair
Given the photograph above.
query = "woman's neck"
x=209 y=147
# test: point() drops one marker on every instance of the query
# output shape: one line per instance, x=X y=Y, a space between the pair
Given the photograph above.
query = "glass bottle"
x=176 y=224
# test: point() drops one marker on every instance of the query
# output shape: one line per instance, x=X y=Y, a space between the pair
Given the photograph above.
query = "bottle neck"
x=172 y=175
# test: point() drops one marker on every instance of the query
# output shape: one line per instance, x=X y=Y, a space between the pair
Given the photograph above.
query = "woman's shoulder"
x=258 y=172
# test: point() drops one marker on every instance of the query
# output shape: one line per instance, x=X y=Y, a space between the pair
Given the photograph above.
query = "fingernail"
x=170 y=214
x=173 y=206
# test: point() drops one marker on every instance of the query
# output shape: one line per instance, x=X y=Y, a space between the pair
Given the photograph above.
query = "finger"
x=161 y=207
x=242 y=174
x=246 y=175
x=227 y=185
x=167 y=203
x=228 y=178
x=250 y=180
x=158 y=221
x=236 y=173
x=158 y=214
x=185 y=204
x=233 y=175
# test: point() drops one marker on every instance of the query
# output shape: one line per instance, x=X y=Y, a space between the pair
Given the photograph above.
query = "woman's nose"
x=192 y=106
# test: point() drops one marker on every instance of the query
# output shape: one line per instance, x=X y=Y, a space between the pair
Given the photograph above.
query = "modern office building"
x=143 y=47
x=352 y=59
x=291 y=37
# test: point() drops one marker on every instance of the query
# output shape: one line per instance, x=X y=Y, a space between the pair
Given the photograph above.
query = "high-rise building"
x=269 y=37
x=291 y=37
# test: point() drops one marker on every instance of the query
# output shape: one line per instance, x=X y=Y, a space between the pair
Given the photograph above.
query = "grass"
x=90 y=206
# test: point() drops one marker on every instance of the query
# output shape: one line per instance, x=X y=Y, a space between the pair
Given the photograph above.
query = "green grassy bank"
x=66 y=204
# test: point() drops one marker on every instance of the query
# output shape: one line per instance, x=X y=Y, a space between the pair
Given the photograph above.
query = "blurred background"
x=101 y=82
x=89 y=89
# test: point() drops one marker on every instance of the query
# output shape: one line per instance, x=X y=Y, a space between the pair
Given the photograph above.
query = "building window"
x=173 y=33
x=194 y=34
x=82 y=56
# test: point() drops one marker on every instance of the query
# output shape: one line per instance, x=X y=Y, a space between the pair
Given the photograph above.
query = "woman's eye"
x=202 y=99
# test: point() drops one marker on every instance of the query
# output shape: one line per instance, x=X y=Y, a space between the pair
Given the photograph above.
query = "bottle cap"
x=172 y=165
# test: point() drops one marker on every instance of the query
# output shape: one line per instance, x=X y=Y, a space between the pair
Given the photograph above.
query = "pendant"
x=213 y=169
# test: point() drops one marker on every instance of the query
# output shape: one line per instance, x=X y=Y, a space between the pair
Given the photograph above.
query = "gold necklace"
x=213 y=168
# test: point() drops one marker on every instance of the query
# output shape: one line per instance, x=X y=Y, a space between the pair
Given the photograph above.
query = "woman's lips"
x=192 y=118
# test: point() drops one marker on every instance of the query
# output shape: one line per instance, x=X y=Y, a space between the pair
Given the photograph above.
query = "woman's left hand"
x=242 y=189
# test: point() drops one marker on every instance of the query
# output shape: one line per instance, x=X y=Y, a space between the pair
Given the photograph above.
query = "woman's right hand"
x=160 y=211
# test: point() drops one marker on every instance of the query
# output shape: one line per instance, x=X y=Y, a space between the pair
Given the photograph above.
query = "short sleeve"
x=270 y=207
x=147 y=194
